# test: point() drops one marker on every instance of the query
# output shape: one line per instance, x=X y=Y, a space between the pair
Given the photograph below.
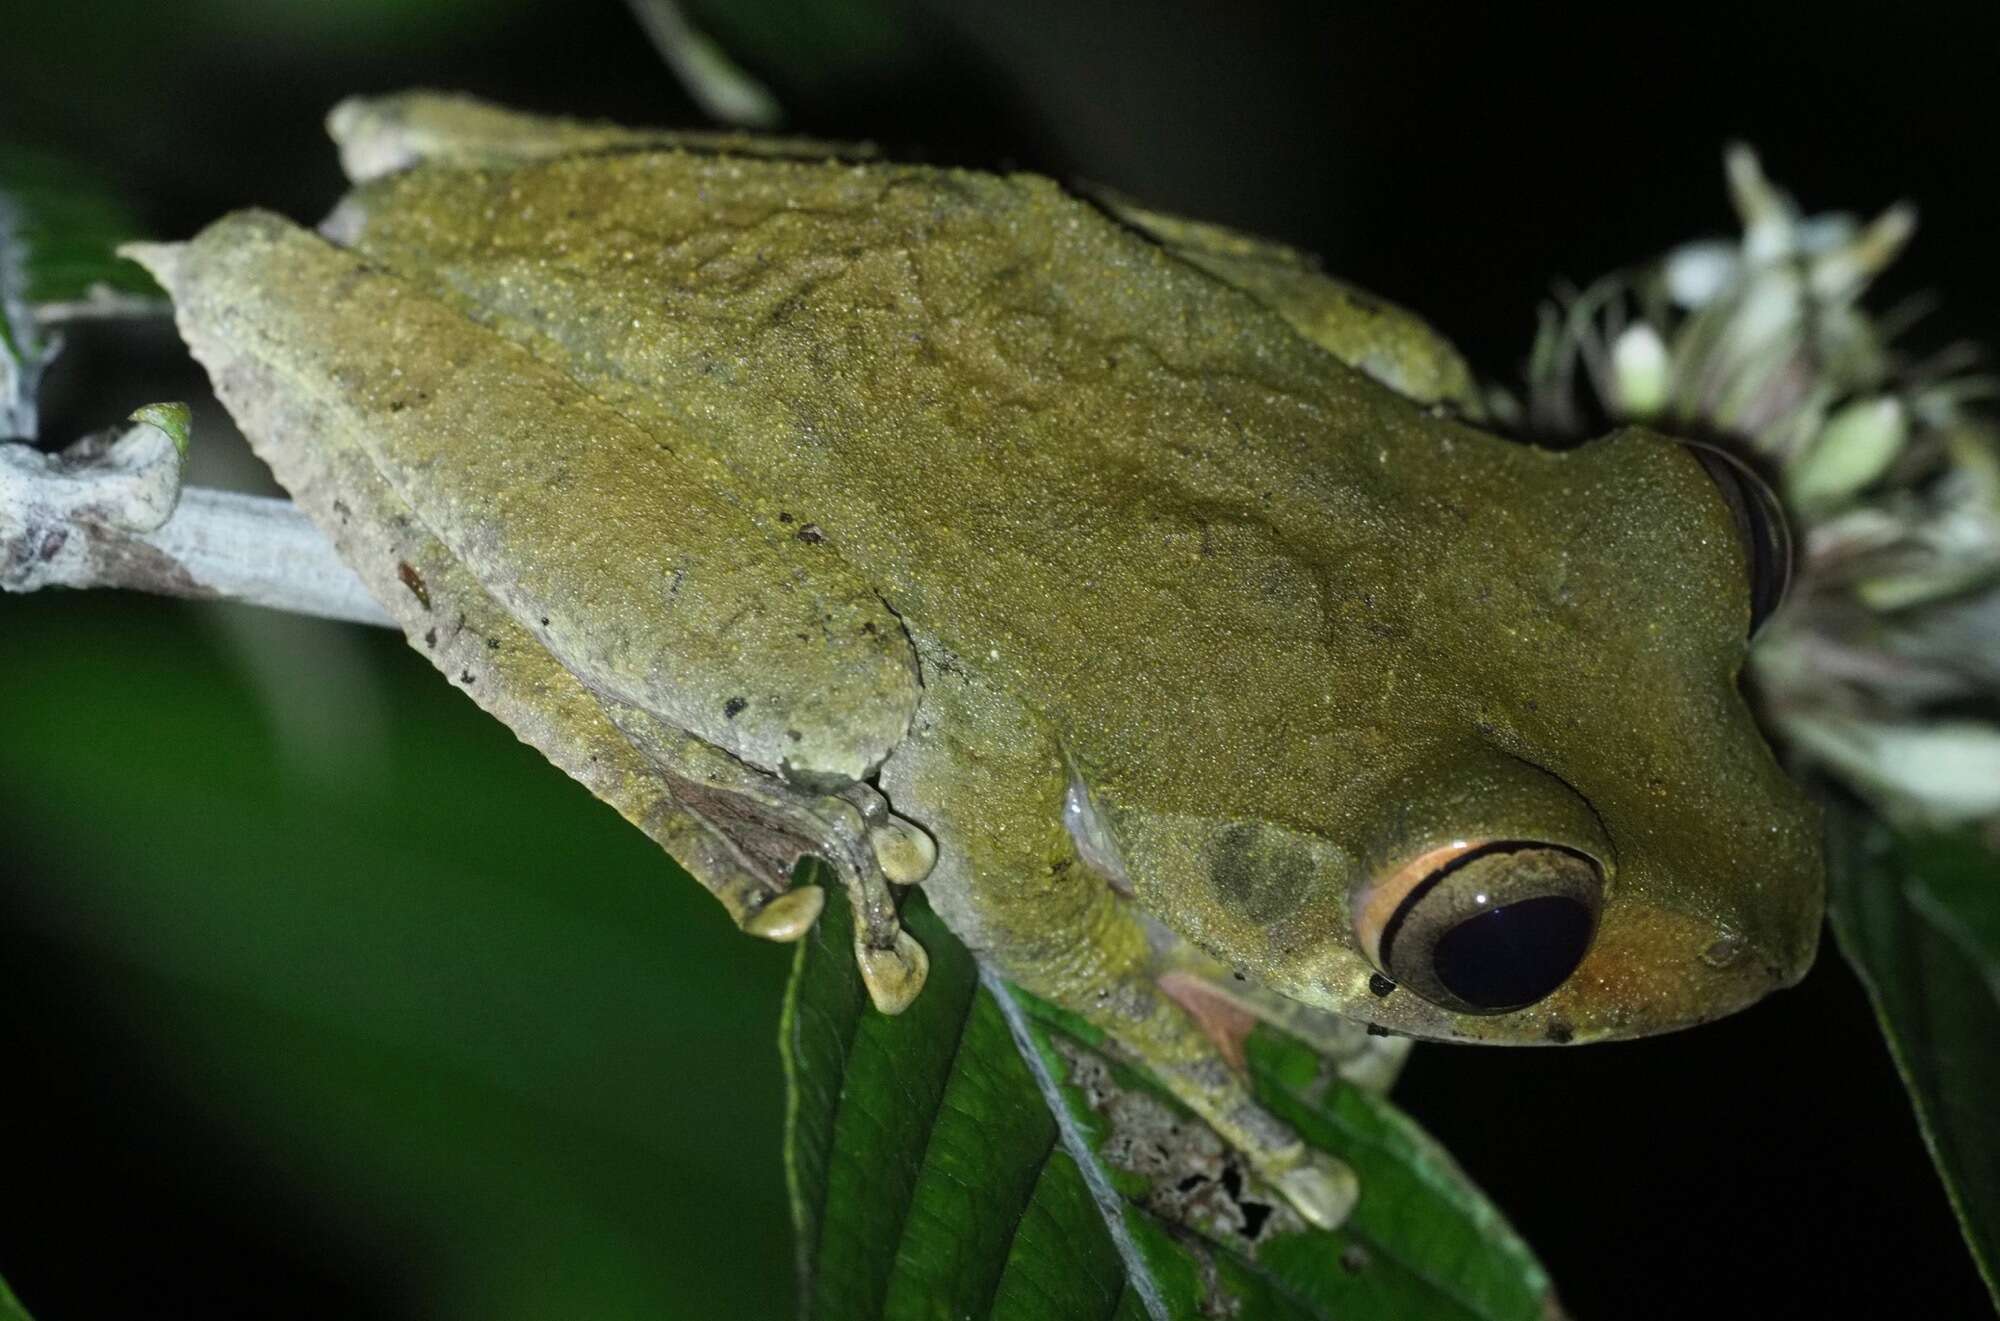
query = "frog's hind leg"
x=380 y=135
x=1011 y=882
x=453 y=622
x=738 y=830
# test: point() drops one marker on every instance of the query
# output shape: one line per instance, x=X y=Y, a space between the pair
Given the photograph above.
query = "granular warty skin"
x=812 y=505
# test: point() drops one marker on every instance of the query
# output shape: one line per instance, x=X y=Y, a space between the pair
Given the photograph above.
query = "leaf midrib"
x=1110 y=1203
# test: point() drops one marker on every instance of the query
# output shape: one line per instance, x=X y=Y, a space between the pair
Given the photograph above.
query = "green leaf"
x=64 y=226
x=10 y=1306
x=978 y=1156
x=58 y=232
x=377 y=979
x=174 y=419
x=1918 y=916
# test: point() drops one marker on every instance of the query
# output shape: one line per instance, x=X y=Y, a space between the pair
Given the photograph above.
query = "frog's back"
x=1121 y=489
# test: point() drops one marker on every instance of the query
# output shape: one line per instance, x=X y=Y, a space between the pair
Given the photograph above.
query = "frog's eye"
x=1760 y=523
x=1486 y=928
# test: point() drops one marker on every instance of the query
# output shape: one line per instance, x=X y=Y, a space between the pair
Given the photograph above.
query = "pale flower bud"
x=1641 y=374
x=1856 y=447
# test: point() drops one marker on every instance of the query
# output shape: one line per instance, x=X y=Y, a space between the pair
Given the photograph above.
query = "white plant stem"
x=110 y=512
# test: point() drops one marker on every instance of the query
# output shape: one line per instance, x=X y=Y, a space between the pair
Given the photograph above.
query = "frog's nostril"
x=1724 y=950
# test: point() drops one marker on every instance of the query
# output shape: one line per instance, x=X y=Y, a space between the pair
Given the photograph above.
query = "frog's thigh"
x=614 y=545
x=453 y=623
x=977 y=771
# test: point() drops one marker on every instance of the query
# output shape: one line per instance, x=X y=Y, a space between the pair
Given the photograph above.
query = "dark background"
x=323 y=998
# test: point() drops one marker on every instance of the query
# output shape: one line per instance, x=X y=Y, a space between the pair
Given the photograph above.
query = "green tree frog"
x=1148 y=597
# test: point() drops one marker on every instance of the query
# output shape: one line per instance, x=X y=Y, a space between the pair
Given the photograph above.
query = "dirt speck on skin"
x=410 y=578
x=1198 y=1180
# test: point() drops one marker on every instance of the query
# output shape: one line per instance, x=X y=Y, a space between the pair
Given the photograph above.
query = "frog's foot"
x=1319 y=1187
x=756 y=825
x=870 y=848
x=1146 y=1018
x=867 y=857
x=867 y=846
x=750 y=828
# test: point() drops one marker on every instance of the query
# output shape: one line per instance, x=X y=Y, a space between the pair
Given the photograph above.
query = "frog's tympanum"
x=1133 y=587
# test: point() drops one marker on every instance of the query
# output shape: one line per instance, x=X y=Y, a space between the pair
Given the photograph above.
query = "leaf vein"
x=1109 y=1203
x=1020 y=1218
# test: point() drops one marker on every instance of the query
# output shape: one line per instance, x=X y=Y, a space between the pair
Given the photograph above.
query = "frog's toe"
x=895 y=974
x=1320 y=1188
x=787 y=916
x=904 y=851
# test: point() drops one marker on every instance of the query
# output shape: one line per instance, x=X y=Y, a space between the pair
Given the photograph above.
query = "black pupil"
x=1515 y=954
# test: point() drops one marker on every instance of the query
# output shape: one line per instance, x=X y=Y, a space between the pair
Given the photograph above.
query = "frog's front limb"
x=1010 y=882
x=1227 y=1007
x=1114 y=981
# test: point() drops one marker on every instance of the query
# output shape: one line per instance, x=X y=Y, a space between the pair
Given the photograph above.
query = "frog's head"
x=1566 y=827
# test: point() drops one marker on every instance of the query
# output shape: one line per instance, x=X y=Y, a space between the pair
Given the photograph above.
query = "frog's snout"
x=1731 y=952
x=1655 y=969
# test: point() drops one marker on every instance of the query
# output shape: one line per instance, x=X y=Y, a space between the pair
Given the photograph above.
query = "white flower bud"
x=1641 y=372
x=1697 y=273
x=1856 y=447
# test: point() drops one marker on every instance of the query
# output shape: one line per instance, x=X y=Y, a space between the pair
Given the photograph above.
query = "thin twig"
x=110 y=512
x=716 y=83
